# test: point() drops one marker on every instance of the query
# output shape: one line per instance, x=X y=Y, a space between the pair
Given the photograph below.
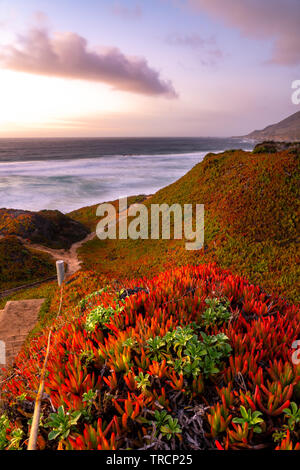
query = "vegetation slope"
x=251 y=223
x=50 y=228
x=87 y=215
x=20 y=265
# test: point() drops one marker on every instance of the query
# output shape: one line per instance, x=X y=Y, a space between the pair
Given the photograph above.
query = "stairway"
x=16 y=320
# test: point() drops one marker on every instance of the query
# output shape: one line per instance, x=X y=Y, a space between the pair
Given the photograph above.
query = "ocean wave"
x=70 y=184
x=67 y=174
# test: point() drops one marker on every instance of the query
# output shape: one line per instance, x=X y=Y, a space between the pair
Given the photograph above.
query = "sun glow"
x=37 y=101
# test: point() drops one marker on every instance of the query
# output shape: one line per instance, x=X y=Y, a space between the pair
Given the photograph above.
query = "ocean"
x=67 y=174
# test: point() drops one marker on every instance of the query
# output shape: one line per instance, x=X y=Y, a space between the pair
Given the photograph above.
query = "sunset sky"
x=146 y=68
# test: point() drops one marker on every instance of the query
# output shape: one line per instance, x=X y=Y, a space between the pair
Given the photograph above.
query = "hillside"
x=87 y=215
x=251 y=220
x=286 y=130
x=49 y=228
x=20 y=265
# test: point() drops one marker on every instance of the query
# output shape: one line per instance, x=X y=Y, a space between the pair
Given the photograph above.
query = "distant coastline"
x=287 y=130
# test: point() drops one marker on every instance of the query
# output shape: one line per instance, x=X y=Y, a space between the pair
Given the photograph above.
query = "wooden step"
x=16 y=320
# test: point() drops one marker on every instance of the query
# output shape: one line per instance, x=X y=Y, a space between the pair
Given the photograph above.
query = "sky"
x=106 y=68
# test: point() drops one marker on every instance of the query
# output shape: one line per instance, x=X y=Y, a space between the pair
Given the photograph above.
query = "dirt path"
x=70 y=256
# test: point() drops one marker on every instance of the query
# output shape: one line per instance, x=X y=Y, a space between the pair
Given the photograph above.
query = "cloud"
x=210 y=52
x=193 y=40
x=40 y=18
x=67 y=55
x=127 y=12
x=277 y=20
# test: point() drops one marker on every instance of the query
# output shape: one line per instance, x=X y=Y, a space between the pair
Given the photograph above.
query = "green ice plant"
x=204 y=356
x=61 y=423
x=142 y=381
x=217 y=312
x=166 y=425
x=187 y=353
x=293 y=416
x=252 y=418
x=100 y=316
x=171 y=428
x=89 y=398
x=16 y=435
x=21 y=397
x=179 y=338
x=15 y=439
x=87 y=357
x=4 y=425
x=156 y=348
x=87 y=300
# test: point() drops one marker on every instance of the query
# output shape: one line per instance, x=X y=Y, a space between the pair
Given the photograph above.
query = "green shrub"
x=187 y=354
x=61 y=423
x=293 y=416
x=166 y=424
x=99 y=316
x=16 y=435
x=252 y=418
x=217 y=312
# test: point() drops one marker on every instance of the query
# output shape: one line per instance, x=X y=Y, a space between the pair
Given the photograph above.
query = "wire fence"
x=8 y=292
